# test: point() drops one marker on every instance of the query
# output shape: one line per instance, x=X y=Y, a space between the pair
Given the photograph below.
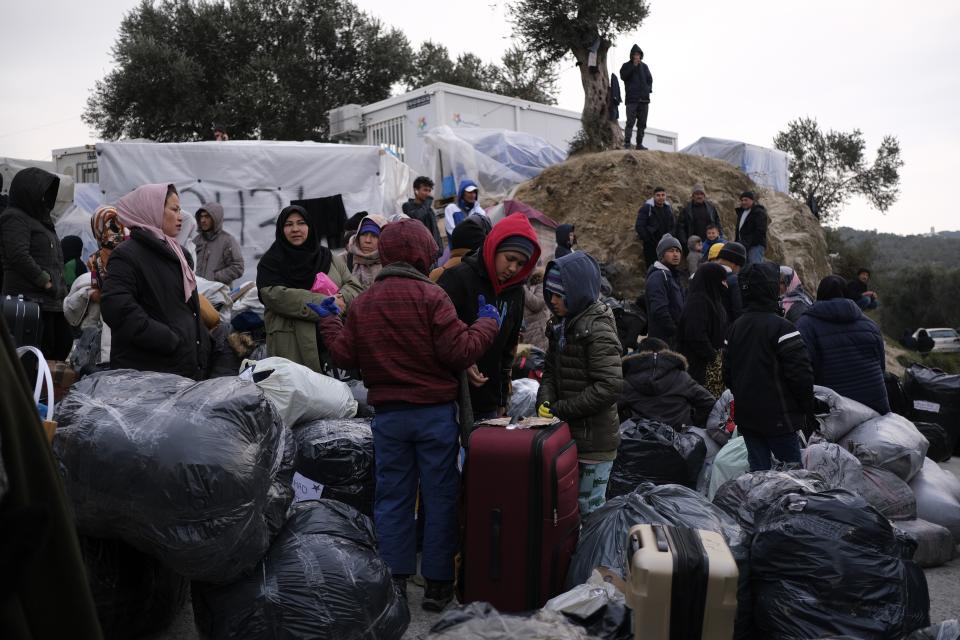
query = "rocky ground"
x=943 y=582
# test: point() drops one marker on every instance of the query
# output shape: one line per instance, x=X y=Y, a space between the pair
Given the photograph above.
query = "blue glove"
x=326 y=308
x=488 y=311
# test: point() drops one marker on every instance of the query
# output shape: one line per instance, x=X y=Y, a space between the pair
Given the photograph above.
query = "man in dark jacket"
x=32 y=256
x=582 y=375
x=752 y=221
x=732 y=258
x=218 y=252
x=656 y=386
x=767 y=367
x=420 y=207
x=566 y=238
x=859 y=291
x=638 y=85
x=404 y=336
x=663 y=295
x=654 y=219
x=846 y=347
x=696 y=215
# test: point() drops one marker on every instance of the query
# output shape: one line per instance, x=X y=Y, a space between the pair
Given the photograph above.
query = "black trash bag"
x=480 y=621
x=940 y=450
x=651 y=451
x=189 y=472
x=890 y=495
x=828 y=564
x=603 y=538
x=746 y=498
x=895 y=395
x=134 y=594
x=613 y=622
x=338 y=454
x=86 y=352
x=321 y=580
x=934 y=396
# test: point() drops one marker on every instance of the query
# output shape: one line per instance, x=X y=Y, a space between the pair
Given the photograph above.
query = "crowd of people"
x=433 y=326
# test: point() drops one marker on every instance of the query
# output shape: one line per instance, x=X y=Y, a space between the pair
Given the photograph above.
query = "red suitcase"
x=522 y=517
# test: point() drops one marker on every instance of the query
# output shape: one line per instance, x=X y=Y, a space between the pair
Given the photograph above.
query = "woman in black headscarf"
x=703 y=322
x=285 y=276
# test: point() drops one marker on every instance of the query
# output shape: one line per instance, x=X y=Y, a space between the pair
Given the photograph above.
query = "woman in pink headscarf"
x=149 y=295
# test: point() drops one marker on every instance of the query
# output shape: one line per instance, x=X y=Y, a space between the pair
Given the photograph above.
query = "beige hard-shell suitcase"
x=681 y=583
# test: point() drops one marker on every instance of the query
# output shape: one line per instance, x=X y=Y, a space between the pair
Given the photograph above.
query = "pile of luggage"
x=178 y=484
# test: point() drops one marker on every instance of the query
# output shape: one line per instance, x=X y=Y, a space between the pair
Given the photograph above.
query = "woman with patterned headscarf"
x=108 y=232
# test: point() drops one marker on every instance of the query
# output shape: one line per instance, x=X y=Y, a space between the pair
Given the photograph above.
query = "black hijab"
x=832 y=287
x=285 y=265
x=704 y=315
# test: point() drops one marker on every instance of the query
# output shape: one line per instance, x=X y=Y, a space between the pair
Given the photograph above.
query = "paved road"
x=943 y=583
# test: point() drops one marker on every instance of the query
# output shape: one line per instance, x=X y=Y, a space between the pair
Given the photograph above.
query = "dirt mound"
x=601 y=193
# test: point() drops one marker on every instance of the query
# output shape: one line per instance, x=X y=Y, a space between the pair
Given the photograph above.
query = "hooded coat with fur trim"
x=403 y=332
x=30 y=251
x=656 y=386
x=218 y=252
x=582 y=375
x=476 y=276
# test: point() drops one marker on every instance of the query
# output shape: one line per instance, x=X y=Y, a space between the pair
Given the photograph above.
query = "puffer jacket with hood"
x=29 y=247
x=637 y=80
x=656 y=386
x=847 y=351
x=218 y=252
x=582 y=376
x=765 y=362
x=564 y=247
x=457 y=212
x=664 y=297
x=403 y=332
x=477 y=276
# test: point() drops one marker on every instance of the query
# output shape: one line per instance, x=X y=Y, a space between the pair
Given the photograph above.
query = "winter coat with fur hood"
x=656 y=386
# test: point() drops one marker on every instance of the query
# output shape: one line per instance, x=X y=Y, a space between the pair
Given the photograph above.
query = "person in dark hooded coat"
x=582 y=376
x=404 y=335
x=656 y=386
x=566 y=238
x=32 y=256
x=497 y=272
x=703 y=321
x=766 y=365
x=846 y=347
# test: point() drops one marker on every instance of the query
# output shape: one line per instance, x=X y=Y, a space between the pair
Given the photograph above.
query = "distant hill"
x=887 y=253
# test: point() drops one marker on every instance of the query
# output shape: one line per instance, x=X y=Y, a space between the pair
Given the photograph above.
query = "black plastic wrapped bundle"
x=651 y=451
x=338 y=454
x=190 y=472
x=321 y=580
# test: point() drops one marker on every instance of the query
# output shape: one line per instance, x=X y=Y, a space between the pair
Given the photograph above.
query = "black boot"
x=438 y=595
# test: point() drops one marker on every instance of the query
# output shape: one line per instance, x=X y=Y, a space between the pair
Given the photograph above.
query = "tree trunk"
x=599 y=133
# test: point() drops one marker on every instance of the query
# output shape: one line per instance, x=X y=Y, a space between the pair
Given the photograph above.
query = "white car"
x=944 y=340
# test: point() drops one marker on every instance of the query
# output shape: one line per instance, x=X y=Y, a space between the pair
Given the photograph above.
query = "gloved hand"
x=544 y=410
x=326 y=308
x=488 y=311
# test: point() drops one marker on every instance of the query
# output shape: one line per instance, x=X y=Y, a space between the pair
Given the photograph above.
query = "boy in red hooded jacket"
x=404 y=336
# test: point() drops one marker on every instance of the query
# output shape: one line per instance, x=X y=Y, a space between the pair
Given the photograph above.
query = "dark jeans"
x=785 y=448
x=867 y=303
x=636 y=114
x=649 y=253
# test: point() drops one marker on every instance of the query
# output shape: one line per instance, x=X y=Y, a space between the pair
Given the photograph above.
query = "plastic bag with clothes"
x=703 y=478
x=651 y=451
x=938 y=497
x=603 y=538
x=934 y=543
x=321 y=580
x=192 y=473
x=890 y=495
x=934 y=396
x=896 y=443
x=480 y=621
x=827 y=564
x=523 y=401
x=597 y=606
x=838 y=415
x=299 y=393
x=940 y=449
x=135 y=595
x=839 y=468
x=730 y=462
x=336 y=456
x=746 y=497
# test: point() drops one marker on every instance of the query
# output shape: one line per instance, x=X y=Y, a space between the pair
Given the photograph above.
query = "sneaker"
x=437 y=595
x=400 y=586
x=627 y=146
x=641 y=148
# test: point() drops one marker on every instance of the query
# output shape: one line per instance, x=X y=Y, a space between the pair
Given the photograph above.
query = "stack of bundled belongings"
x=933 y=397
x=652 y=451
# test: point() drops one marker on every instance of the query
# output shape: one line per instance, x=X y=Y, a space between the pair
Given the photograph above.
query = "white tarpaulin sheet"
x=766 y=167
x=496 y=159
x=254 y=180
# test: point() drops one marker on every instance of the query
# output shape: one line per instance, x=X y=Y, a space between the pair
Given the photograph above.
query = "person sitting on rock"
x=859 y=291
x=656 y=386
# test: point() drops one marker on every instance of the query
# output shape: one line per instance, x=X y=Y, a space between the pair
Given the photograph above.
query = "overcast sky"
x=739 y=69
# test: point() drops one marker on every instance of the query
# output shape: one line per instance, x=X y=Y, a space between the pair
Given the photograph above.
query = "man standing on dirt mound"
x=752 y=221
x=638 y=85
x=654 y=219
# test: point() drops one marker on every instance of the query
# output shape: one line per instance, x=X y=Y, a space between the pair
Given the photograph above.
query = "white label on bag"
x=925 y=405
x=305 y=489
